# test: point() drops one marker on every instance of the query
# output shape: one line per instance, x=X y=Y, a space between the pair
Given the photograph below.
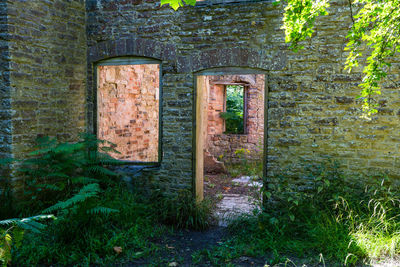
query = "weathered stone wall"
x=47 y=50
x=222 y=145
x=5 y=98
x=312 y=112
x=5 y=110
x=128 y=110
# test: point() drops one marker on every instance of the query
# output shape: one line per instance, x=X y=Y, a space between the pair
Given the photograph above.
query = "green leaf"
x=175 y=4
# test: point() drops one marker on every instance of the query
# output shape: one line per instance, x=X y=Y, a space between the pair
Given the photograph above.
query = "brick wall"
x=128 y=110
x=225 y=145
x=216 y=105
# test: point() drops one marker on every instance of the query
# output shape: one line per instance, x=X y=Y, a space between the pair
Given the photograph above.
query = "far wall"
x=219 y=144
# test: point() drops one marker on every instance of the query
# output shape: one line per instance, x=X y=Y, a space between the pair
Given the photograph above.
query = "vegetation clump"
x=333 y=218
x=96 y=219
x=91 y=218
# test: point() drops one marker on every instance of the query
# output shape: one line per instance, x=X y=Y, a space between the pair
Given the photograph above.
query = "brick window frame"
x=118 y=61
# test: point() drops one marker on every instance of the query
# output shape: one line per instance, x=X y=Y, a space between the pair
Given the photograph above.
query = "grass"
x=132 y=234
x=132 y=229
x=337 y=221
x=252 y=237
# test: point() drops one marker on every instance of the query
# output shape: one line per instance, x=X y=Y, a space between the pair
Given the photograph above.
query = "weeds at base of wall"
x=248 y=163
x=336 y=221
x=105 y=239
x=334 y=216
x=182 y=211
x=99 y=221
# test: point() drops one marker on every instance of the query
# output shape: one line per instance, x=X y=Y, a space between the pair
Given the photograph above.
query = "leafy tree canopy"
x=375 y=25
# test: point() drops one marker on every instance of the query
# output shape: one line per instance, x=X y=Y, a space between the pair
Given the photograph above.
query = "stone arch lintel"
x=231 y=57
x=132 y=47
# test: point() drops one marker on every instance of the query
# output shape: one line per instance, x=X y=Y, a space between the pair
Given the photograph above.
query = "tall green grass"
x=66 y=243
x=341 y=219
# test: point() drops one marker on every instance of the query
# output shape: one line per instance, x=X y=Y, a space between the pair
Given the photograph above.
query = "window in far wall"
x=234 y=112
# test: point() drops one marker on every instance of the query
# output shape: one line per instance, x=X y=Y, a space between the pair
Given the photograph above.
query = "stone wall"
x=128 y=110
x=5 y=97
x=222 y=145
x=312 y=111
x=47 y=51
x=43 y=73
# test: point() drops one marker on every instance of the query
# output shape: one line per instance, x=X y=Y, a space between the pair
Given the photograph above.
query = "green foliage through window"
x=234 y=121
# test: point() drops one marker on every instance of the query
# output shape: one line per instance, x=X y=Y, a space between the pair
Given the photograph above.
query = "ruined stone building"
x=145 y=77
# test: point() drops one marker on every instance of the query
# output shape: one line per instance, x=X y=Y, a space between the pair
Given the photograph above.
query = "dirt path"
x=233 y=197
x=179 y=248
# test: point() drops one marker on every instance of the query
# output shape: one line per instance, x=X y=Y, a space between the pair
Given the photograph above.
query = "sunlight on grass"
x=337 y=219
x=377 y=245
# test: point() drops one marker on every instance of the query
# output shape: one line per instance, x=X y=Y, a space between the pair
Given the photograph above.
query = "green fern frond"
x=105 y=159
x=68 y=148
x=99 y=170
x=30 y=223
x=6 y=161
x=83 y=180
x=54 y=187
x=56 y=175
x=88 y=191
x=101 y=210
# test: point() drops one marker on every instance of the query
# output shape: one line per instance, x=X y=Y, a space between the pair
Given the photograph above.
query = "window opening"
x=234 y=112
x=128 y=109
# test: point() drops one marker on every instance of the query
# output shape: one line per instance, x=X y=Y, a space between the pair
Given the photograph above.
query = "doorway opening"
x=230 y=139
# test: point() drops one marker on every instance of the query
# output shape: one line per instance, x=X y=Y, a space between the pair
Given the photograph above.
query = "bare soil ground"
x=217 y=184
x=177 y=249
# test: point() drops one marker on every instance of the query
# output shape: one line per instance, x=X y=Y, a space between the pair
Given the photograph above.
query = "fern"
x=16 y=228
x=66 y=179
x=88 y=191
x=58 y=171
x=82 y=204
x=82 y=180
x=30 y=223
x=101 y=210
